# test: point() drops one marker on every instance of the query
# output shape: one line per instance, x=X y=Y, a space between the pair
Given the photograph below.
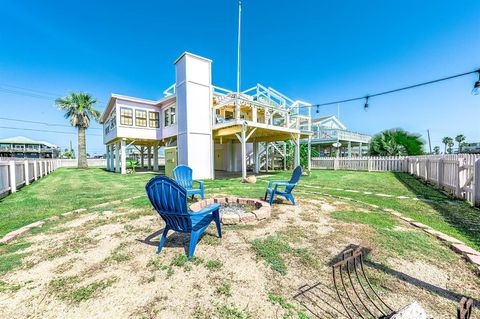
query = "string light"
x=475 y=91
x=365 y=107
x=476 y=86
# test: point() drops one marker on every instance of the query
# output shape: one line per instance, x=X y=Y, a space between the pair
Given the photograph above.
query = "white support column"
x=297 y=151
x=123 y=150
x=35 y=170
x=194 y=114
x=309 y=161
x=349 y=148
x=243 y=141
x=256 y=157
x=107 y=156
x=13 y=180
x=149 y=157
x=112 y=157
x=142 y=155
x=267 y=149
x=25 y=167
x=117 y=157
x=155 y=157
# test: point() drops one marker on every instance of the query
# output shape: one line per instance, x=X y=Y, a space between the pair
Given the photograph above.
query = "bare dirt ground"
x=102 y=264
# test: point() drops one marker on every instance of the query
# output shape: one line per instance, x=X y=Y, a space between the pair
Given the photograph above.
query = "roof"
x=24 y=140
x=323 y=120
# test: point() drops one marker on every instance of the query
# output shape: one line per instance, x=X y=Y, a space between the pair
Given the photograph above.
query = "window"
x=141 y=118
x=173 y=118
x=166 y=117
x=154 y=119
x=126 y=116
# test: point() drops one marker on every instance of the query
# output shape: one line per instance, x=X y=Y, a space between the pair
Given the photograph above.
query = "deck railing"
x=456 y=174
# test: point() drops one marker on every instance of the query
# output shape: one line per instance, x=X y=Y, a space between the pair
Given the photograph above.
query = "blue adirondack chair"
x=274 y=187
x=183 y=176
x=170 y=200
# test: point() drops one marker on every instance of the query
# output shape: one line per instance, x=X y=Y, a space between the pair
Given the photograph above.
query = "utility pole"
x=429 y=142
x=238 y=43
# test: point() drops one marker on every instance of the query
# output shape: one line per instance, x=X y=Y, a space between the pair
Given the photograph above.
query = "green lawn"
x=69 y=189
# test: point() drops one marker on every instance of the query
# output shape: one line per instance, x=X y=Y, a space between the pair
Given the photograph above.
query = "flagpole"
x=238 y=43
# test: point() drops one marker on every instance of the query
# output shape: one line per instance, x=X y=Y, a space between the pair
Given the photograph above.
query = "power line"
x=44 y=123
x=366 y=97
x=18 y=90
x=38 y=130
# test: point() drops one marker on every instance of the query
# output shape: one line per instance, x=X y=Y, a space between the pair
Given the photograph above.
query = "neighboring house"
x=327 y=131
x=203 y=126
x=473 y=148
x=23 y=147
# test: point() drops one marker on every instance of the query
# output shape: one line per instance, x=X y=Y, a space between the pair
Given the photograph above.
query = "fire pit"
x=235 y=210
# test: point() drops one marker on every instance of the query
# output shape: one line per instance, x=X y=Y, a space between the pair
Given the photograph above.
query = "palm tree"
x=460 y=138
x=436 y=150
x=79 y=109
x=446 y=140
x=450 y=147
x=396 y=142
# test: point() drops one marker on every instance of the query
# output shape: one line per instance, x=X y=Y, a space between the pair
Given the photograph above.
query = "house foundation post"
x=256 y=157
x=117 y=157
x=244 y=152
x=309 y=162
x=297 y=151
x=123 y=150
x=155 y=157
x=149 y=157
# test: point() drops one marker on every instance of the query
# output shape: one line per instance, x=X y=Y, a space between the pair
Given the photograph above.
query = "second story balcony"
x=332 y=135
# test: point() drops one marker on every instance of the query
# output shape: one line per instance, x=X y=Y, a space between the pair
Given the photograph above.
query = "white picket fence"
x=17 y=173
x=457 y=174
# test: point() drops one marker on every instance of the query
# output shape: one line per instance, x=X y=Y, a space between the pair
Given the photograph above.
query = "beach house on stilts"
x=206 y=127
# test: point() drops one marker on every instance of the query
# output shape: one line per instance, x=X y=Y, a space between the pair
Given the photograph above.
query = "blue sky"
x=316 y=51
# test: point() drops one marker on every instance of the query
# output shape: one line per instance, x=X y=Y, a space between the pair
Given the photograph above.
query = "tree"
x=79 y=109
x=436 y=150
x=460 y=138
x=303 y=154
x=446 y=141
x=450 y=147
x=396 y=142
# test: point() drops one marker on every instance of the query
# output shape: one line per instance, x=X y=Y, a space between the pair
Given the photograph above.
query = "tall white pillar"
x=149 y=157
x=194 y=111
x=117 y=157
x=244 y=152
x=25 y=168
x=123 y=151
x=155 y=157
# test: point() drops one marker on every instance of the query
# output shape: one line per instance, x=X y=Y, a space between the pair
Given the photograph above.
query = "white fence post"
x=13 y=180
x=440 y=173
x=40 y=164
x=25 y=169
x=35 y=170
x=476 y=183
